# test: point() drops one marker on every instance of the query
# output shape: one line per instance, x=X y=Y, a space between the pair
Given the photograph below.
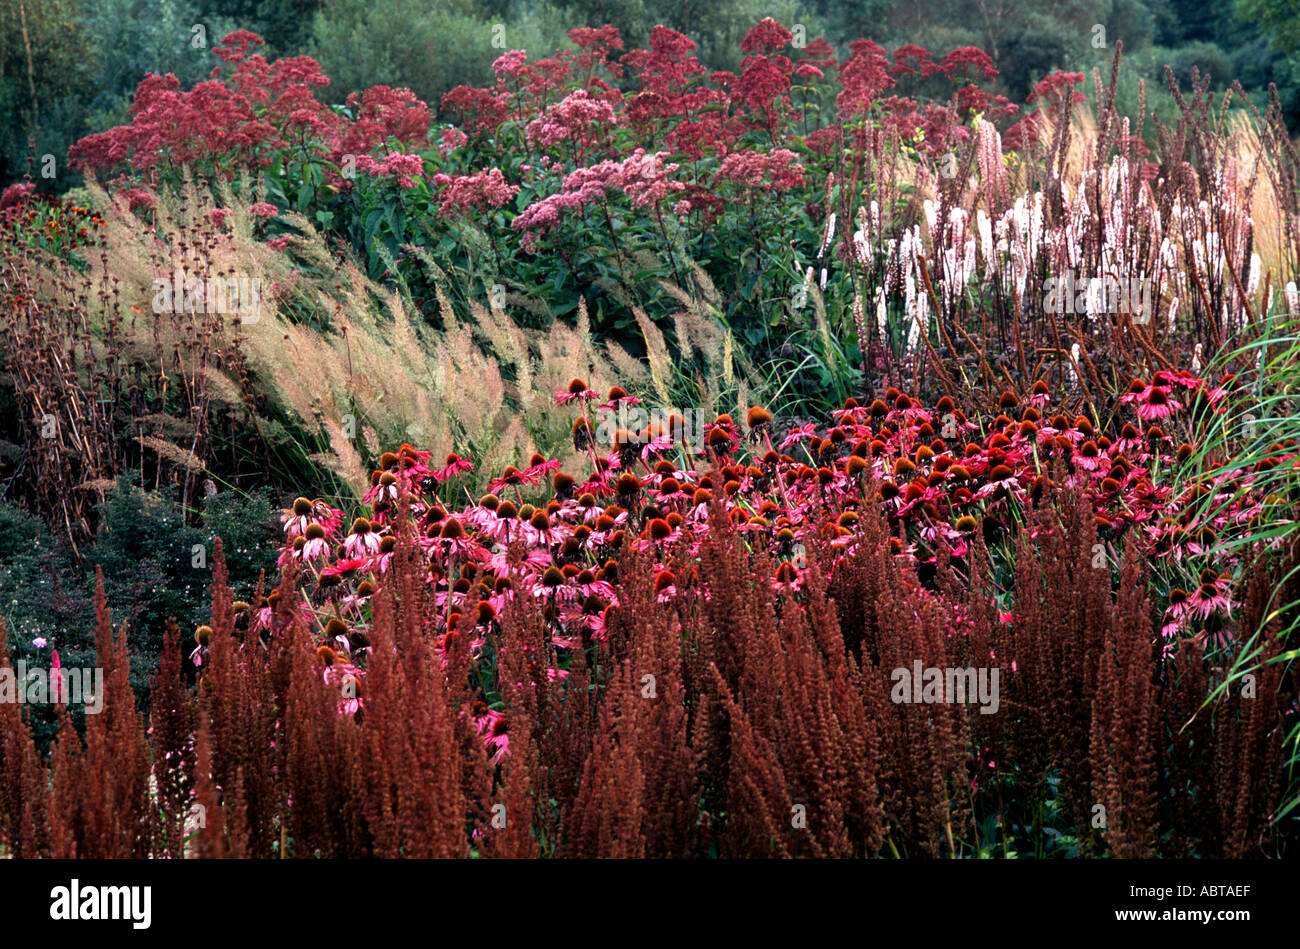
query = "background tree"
x=44 y=73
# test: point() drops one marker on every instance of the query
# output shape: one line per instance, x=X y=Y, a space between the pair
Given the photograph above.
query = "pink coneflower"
x=1130 y=439
x=805 y=431
x=852 y=413
x=363 y=541
x=540 y=531
x=493 y=727
x=344 y=567
x=722 y=435
x=315 y=546
x=264 y=616
x=455 y=465
x=665 y=586
x=290 y=552
x=658 y=532
x=1215 y=393
x=600 y=624
x=1175 y=377
x=577 y=390
x=539 y=468
x=618 y=396
x=499 y=740
x=513 y=477
x=1088 y=457
x=1175 y=619
x=589 y=585
x=602 y=484
x=1156 y=404
x=453 y=541
x=585 y=615
x=296 y=518
x=350 y=702
x=344 y=676
x=502 y=523
x=1211 y=596
x=788 y=576
x=203 y=641
x=672 y=491
x=352 y=602
x=656 y=445
x=1137 y=390
x=553 y=585
x=336 y=631
x=384 y=487
x=536 y=559
x=700 y=505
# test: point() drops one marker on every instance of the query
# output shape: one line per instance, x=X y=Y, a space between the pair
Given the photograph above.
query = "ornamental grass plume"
x=444 y=387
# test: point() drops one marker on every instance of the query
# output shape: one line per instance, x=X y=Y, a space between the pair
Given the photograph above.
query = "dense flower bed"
x=945 y=482
x=664 y=641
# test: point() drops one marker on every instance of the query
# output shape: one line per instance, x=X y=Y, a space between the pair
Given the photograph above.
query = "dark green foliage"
x=423 y=47
x=284 y=24
x=156 y=565
x=148 y=556
x=42 y=595
x=1205 y=58
x=1041 y=45
x=43 y=73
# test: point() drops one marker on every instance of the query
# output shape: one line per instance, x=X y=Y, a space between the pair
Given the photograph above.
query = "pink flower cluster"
x=574 y=119
x=765 y=74
x=405 y=168
x=941 y=481
x=1049 y=93
x=450 y=139
x=242 y=119
x=383 y=115
x=863 y=77
x=767 y=36
x=479 y=191
x=776 y=170
x=13 y=197
x=642 y=176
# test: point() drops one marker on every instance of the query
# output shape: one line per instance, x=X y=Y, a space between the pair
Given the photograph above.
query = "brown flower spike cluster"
x=746 y=722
